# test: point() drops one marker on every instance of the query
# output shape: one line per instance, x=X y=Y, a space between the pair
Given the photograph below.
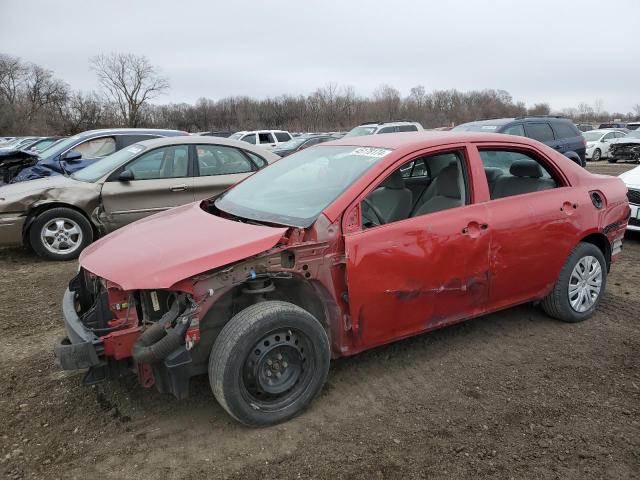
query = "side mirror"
x=72 y=156
x=126 y=176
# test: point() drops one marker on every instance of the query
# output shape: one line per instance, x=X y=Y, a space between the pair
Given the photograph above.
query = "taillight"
x=584 y=141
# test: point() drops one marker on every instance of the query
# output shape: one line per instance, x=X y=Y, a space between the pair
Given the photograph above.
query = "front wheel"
x=612 y=160
x=580 y=286
x=268 y=363
x=597 y=155
x=60 y=234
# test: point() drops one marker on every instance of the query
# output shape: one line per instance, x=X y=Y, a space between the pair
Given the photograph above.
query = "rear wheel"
x=580 y=286
x=268 y=363
x=60 y=234
x=597 y=155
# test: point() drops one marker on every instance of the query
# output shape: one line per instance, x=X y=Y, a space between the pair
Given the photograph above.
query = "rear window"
x=282 y=136
x=565 y=130
x=540 y=131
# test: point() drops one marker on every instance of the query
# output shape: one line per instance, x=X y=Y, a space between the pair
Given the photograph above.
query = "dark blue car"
x=75 y=153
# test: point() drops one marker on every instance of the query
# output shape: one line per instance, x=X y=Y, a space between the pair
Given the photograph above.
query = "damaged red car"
x=334 y=250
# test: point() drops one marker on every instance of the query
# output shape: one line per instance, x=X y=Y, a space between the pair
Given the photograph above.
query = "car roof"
x=131 y=131
x=425 y=139
x=206 y=140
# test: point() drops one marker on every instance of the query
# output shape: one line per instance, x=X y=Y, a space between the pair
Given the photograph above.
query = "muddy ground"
x=510 y=395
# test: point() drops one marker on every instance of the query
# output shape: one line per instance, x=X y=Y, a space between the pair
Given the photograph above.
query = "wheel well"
x=294 y=290
x=602 y=242
x=34 y=212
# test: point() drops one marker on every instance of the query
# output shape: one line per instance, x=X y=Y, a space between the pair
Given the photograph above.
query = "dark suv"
x=558 y=132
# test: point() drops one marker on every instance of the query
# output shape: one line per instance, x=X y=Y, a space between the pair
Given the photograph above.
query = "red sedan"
x=334 y=250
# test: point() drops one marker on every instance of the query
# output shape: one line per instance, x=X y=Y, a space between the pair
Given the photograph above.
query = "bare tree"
x=130 y=81
x=12 y=75
x=636 y=108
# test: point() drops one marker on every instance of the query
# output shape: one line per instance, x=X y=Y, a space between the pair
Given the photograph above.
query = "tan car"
x=58 y=216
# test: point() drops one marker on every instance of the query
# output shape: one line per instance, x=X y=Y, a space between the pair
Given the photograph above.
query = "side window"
x=609 y=136
x=97 y=147
x=165 y=162
x=221 y=160
x=565 y=130
x=126 y=140
x=515 y=173
x=407 y=128
x=517 y=129
x=620 y=134
x=282 y=136
x=265 y=138
x=259 y=161
x=251 y=138
x=387 y=130
x=392 y=201
x=540 y=131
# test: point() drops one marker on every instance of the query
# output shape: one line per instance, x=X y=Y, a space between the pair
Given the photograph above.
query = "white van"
x=268 y=139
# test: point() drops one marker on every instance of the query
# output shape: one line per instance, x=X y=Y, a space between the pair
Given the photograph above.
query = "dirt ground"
x=510 y=395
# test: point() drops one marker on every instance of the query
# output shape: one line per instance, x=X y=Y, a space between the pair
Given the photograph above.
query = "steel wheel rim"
x=585 y=284
x=278 y=369
x=596 y=155
x=61 y=236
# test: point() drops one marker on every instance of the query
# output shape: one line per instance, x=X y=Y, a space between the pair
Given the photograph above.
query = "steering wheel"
x=375 y=210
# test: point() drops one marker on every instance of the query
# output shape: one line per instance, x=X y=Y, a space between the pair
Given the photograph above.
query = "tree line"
x=33 y=101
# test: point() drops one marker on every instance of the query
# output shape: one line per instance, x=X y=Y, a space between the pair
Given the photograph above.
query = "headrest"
x=525 y=168
x=394 y=181
x=447 y=182
x=492 y=173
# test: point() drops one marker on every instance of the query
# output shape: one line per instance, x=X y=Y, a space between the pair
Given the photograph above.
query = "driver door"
x=162 y=180
x=420 y=272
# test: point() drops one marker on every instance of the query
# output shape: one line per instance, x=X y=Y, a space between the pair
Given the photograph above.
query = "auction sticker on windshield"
x=371 y=152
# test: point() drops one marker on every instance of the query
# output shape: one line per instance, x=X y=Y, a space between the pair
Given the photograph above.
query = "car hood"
x=631 y=178
x=163 y=249
x=623 y=140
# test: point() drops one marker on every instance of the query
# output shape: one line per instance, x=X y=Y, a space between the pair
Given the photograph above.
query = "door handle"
x=178 y=188
x=473 y=228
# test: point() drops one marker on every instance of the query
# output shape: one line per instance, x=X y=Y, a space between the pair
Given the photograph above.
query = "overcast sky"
x=560 y=51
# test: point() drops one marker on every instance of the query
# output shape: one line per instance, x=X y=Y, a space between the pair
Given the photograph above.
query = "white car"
x=268 y=139
x=631 y=179
x=375 y=128
x=599 y=141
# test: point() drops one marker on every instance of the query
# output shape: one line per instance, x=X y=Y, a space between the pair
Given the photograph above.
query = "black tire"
x=597 y=155
x=557 y=304
x=68 y=215
x=234 y=355
x=612 y=160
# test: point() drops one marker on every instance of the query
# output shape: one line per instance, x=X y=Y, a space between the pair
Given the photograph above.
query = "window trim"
x=355 y=205
x=557 y=174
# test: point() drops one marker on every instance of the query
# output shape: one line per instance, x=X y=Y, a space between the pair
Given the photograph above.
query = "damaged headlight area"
x=625 y=151
x=113 y=333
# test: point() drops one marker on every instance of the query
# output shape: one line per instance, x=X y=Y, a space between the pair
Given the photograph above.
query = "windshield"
x=236 y=136
x=60 y=146
x=291 y=144
x=592 y=136
x=295 y=190
x=108 y=164
x=361 y=131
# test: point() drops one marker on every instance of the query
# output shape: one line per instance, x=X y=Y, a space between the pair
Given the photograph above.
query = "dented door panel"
x=417 y=274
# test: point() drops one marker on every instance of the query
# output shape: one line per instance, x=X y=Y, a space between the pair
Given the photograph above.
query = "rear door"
x=533 y=216
x=162 y=179
x=217 y=168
